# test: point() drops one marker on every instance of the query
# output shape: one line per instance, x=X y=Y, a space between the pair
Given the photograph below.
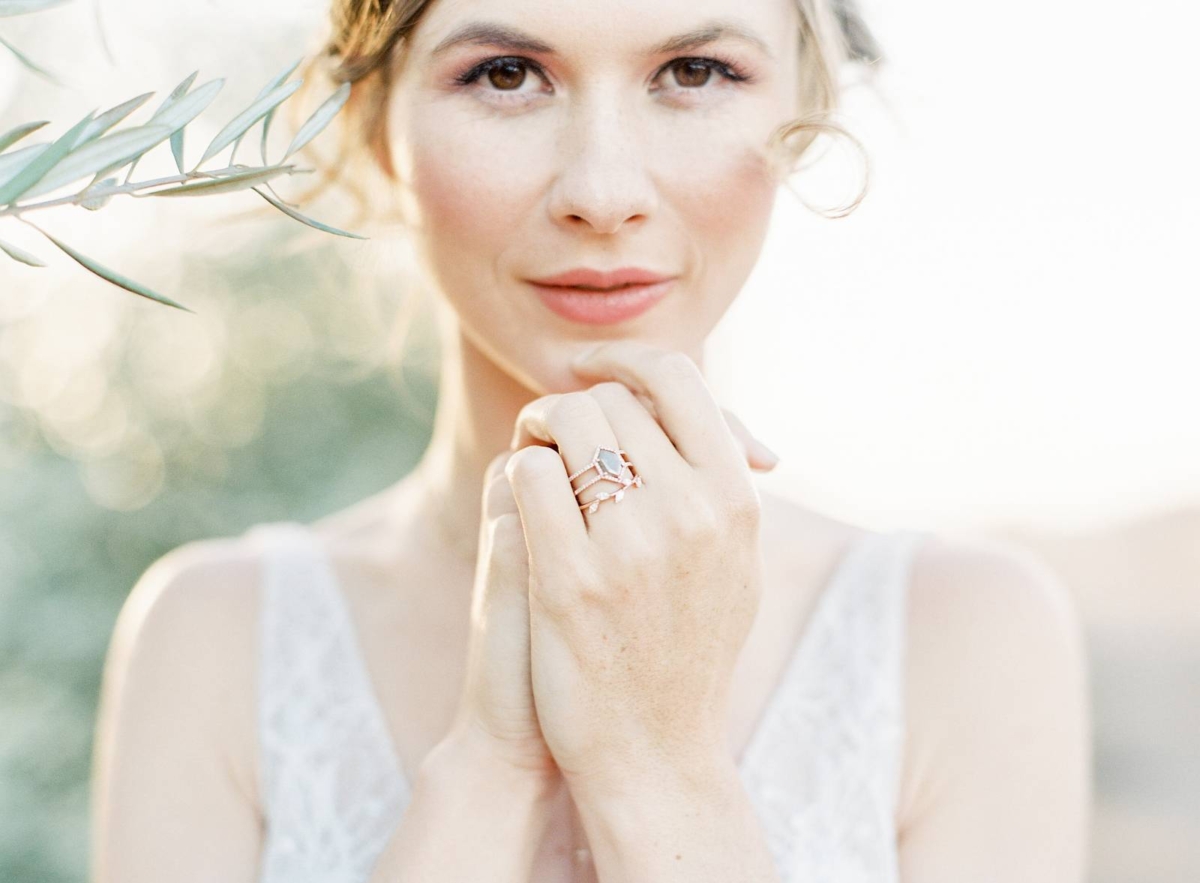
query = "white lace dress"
x=822 y=770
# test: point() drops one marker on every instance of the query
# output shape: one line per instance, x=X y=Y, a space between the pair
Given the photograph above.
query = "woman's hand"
x=496 y=717
x=640 y=609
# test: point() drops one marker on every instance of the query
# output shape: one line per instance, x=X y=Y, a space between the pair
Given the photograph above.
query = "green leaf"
x=187 y=107
x=304 y=219
x=18 y=255
x=111 y=117
x=12 y=136
x=109 y=275
x=110 y=152
x=29 y=63
x=275 y=83
x=225 y=183
x=177 y=112
x=248 y=118
x=320 y=119
x=20 y=7
x=178 y=92
x=98 y=199
x=12 y=163
x=45 y=161
x=177 y=149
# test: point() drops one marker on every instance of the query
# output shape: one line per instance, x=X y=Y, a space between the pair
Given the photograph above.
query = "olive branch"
x=94 y=148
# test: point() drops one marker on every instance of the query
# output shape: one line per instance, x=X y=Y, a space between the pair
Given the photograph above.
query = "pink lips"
x=594 y=297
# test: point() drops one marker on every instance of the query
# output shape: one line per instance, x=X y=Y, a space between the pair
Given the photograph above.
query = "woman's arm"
x=471 y=820
x=669 y=826
x=173 y=793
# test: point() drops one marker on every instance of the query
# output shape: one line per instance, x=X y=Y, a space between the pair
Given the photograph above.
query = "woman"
x=576 y=642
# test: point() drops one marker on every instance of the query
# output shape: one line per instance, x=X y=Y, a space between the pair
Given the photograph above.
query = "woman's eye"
x=692 y=73
x=503 y=74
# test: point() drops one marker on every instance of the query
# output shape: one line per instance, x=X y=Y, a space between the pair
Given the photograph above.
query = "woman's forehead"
x=566 y=27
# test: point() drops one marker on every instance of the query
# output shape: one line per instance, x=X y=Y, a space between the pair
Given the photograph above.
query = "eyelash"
x=724 y=67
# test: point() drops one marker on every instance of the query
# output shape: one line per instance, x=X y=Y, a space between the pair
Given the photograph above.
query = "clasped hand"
x=603 y=643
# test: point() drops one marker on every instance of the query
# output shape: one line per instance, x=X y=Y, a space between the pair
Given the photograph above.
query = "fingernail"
x=770 y=456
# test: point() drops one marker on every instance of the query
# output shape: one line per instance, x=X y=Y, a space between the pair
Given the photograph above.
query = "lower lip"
x=602 y=307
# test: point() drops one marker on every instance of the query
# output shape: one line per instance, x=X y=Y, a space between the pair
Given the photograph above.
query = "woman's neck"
x=477 y=408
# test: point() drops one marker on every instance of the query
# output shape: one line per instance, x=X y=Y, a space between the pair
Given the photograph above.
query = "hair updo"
x=364 y=35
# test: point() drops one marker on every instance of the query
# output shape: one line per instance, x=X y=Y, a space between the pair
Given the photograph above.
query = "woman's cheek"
x=465 y=202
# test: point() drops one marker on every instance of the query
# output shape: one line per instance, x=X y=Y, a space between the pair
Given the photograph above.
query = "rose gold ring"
x=610 y=466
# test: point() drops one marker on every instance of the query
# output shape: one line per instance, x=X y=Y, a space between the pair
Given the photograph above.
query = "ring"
x=611 y=466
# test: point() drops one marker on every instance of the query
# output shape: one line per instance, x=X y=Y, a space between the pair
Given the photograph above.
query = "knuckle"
x=675 y=365
x=532 y=464
x=745 y=508
x=572 y=409
x=611 y=392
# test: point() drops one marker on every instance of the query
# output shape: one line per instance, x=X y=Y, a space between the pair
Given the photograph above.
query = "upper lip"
x=599 y=279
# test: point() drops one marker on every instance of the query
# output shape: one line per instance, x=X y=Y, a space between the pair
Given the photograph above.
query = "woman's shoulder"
x=185 y=639
x=995 y=673
x=996 y=689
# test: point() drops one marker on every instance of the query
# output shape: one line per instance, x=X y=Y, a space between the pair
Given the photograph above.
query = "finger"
x=640 y=433
x=497 y=492
x=689 y=414
x=758 y=456
x=575 y=423
x=555 y=532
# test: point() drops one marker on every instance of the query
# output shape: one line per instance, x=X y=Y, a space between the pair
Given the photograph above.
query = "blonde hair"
x=364 y=35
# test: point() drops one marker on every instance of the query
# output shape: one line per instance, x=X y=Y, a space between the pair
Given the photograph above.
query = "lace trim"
x=823 y=773
x=332 y=790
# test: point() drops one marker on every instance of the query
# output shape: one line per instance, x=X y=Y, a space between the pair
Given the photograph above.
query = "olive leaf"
x=30 y=63
x=108 y=275
x=18 y=255
x=99 y=200
x=111 y=117
x=247 y=118
x=275 y=82
x=110 y=152
x=176 y=138
x=320 y=119
x=46 y=160
x=225 y=183
x=94 y=147
x=12 y=136
x=304 y=219
x=20 y=7
x=12 y=163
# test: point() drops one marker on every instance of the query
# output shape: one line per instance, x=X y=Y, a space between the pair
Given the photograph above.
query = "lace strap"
x=828 y=767
x=331 y=784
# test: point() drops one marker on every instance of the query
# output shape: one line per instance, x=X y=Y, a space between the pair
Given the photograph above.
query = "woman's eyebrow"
x=506 y=37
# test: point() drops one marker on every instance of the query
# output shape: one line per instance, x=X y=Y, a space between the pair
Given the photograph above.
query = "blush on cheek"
x=730 y=208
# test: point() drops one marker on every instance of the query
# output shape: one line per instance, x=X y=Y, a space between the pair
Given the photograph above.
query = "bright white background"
x=1009 y=327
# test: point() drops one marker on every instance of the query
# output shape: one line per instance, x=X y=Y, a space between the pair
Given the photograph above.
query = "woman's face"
x=538 y=137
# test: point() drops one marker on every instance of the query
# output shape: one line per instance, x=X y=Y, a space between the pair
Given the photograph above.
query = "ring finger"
x=577 y=425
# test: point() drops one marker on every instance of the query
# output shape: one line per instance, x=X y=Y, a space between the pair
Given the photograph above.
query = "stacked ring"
x=610 y=466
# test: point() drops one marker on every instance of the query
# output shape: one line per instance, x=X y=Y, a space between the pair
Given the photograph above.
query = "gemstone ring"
x=610 y=466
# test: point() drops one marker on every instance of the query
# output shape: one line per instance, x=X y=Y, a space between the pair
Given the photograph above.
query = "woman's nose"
x=603 y=176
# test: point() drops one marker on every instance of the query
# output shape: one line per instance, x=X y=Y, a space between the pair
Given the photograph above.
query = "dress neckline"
x=769 y=717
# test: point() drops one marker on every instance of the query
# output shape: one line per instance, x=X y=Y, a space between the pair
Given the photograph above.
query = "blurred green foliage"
x=340 y=423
